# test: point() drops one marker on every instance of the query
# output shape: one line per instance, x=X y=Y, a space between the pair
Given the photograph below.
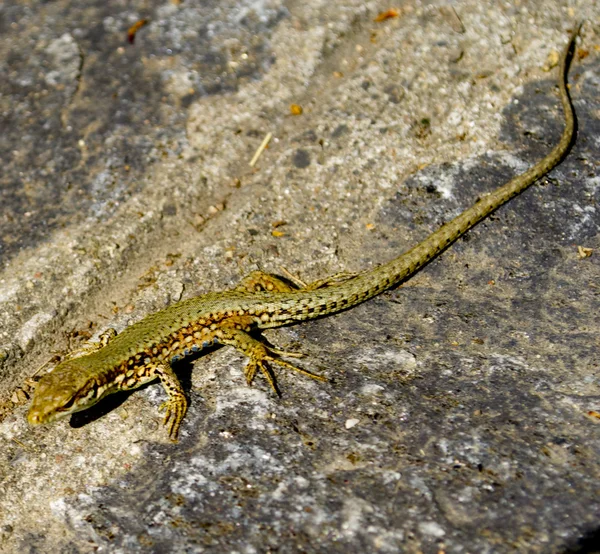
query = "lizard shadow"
x=586 y=544
x=105 y=406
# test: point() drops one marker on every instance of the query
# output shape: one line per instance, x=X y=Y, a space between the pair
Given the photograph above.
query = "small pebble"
x=351 y=423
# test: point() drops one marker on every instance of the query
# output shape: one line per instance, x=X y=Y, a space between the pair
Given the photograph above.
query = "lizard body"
x=145 y=350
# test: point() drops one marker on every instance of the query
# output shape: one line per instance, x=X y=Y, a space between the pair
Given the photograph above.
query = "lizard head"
x=67 y=389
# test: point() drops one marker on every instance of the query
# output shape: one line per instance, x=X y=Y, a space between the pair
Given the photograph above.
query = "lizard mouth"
x=38 y=415
x=35 y=418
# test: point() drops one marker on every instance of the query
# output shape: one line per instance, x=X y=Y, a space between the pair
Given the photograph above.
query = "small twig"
x=260 y=149
x=20 y=444
x=47 y=362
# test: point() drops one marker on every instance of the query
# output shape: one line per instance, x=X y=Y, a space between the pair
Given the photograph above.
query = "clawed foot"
x=260 y=355
x=258 y=361
x=175 y=409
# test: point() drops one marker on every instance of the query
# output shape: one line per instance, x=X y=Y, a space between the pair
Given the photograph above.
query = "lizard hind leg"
x=332 y=280
x=257 y=281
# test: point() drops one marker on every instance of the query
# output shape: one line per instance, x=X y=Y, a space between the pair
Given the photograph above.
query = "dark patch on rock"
x=301 y=158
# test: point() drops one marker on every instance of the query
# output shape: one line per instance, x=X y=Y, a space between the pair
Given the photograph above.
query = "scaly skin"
x=144 y=351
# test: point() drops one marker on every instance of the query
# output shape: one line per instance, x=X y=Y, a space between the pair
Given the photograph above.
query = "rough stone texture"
x=460 y=416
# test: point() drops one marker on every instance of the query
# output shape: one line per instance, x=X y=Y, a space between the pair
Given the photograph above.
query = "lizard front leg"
x=176 y=405
x=85 y=349
x=234 y=333
x=89 y=347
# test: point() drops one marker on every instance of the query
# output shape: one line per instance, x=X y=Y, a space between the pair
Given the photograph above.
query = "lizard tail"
x=397 y=270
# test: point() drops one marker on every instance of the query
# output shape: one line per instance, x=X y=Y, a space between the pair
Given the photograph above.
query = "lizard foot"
x=261 y=357
x=176 y=405
x=175 y=409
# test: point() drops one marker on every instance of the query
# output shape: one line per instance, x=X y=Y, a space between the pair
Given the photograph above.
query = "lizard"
x=146 y=350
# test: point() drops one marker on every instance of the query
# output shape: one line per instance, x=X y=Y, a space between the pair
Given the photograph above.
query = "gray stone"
x=462 y=412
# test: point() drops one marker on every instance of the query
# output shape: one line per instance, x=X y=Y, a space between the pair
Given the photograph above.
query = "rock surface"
x=463 y=412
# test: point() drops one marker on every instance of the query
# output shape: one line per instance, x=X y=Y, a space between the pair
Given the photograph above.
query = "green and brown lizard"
x=145 y=351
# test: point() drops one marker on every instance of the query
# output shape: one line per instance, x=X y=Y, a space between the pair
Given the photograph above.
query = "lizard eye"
x=68 y=404
x=93 y=392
